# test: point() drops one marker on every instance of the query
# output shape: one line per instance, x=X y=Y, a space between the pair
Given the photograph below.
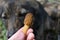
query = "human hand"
x=19 y=35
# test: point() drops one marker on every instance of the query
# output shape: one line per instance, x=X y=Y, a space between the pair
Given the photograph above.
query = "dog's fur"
x=15 y=17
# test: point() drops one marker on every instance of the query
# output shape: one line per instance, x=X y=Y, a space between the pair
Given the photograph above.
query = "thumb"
x=19 y=35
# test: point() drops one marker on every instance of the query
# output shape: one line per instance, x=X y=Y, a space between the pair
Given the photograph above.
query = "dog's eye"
x=3 y=15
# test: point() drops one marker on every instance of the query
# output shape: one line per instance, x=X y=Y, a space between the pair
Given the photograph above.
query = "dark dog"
x=16 y=12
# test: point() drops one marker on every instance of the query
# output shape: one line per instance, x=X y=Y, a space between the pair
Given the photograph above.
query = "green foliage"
x=2 y=31
x=51 y=0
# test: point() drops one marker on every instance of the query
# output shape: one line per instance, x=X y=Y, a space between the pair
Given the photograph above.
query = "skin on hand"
x=19 y=35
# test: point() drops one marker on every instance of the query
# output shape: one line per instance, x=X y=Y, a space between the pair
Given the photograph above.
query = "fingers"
x=33 y=39
x=19 y=35
x=30 y=31
x=21 y=29
x=30 y=36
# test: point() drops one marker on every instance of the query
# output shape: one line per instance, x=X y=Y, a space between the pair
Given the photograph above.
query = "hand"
x=19 y=35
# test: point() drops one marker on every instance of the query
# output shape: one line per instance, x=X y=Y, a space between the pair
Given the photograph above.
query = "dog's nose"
x=9 y=33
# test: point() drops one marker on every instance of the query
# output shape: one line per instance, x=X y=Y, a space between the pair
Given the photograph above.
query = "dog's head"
x=15 y=12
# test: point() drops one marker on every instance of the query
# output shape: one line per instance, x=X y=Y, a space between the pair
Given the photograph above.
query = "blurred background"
x=51 y=6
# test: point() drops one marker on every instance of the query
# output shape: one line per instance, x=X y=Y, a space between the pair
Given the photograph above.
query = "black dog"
x=17 y=11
